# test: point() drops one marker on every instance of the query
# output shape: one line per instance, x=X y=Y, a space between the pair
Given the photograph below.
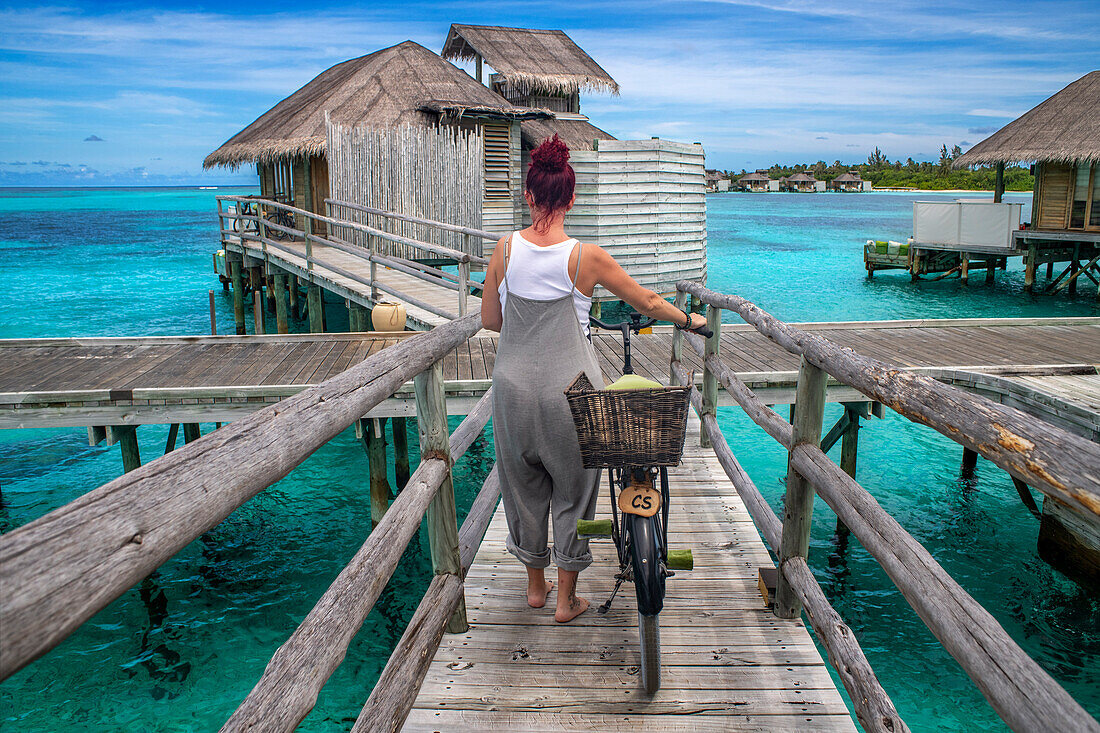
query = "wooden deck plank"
x=515 y=660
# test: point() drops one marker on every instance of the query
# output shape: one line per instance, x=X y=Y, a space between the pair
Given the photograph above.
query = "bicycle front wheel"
x=649 y=634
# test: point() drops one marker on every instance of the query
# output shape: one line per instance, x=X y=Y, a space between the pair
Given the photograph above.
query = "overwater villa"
x=804 y=183
x=526 y=86
x=1062 y=137
x=850 y=182
x=755 y=182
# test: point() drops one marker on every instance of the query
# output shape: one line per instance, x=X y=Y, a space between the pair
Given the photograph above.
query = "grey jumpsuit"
x=541 y=350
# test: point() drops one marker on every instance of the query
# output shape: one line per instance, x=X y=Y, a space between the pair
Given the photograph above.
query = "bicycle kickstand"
x=607 y=605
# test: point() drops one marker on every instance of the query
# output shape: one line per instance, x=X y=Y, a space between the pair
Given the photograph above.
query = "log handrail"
x=1051 y=459
x=62 y=568
x=873 y=707
x=448 y=252
x=1017 y=688
x=288 y=689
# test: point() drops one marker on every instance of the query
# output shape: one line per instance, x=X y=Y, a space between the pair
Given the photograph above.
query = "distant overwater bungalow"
x=1061 y=137
x=804 y=183
x=756 y=182
x=849 y=182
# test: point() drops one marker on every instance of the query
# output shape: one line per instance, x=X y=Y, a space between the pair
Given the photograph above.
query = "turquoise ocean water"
x=182 y=655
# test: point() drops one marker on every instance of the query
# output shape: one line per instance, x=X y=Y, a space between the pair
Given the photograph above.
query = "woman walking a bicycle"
x=538 y=293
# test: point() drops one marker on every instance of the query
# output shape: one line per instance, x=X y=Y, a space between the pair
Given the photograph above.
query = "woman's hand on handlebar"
x=695 y=323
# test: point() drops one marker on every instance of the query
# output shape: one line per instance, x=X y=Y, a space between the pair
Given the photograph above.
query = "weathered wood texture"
x=725 y=658
x=1046 y=457
x=798 y=502
x=60 y=569
x=131 y=381
x=873 y=707
x=288 y=689
x=396 y=689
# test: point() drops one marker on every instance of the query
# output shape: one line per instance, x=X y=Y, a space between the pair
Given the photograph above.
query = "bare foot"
x=536 y=597
x=569 y=608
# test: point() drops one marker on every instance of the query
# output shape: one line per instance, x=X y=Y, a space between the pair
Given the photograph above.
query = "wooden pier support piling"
x=969 y=463
x=131 y=455
x=990 y=268
x=964 y=268
x=431 y=411
x=258 y=312
x=294 y=297
x=373 y=431
x=849 y=448
x=400 y=429
x=191 y=432
x=213 y=316
x=1030 y=263
x=798 y=503
x=238 y=295
x=315 y=306
x=279 y=291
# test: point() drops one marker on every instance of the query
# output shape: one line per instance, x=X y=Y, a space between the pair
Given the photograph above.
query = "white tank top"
x=542 y=273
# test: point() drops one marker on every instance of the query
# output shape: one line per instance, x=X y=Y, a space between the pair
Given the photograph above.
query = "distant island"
x=925 y=175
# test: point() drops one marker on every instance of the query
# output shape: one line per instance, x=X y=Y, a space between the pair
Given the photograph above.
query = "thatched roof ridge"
x=753 y=178
x=451 y=108
x=531 y=60
x=848 y=177
x=1064 y=128
x=577 y=134
x=801 y=178
x=384 y=89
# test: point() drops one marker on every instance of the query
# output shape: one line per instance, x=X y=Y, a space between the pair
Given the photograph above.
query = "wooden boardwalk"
x=727 y=660
x=355 y=290
x=132 y=381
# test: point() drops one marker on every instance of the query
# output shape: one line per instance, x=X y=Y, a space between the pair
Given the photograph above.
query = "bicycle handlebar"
x=638 y=325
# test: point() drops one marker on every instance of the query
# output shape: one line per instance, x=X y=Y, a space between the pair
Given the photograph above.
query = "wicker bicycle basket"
x=630 y=427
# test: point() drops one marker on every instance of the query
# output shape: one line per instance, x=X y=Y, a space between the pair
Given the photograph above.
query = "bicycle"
x=636 y=434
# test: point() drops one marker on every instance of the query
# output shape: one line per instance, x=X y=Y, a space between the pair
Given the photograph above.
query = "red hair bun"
x=551 y=156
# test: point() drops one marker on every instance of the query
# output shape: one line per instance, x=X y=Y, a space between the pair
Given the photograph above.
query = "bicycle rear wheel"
x=649 y=634
x=649 y=585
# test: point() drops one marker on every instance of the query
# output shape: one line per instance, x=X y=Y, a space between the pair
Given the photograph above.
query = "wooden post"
x=1050 y=269
x=280 y=303
x=710 y=381
x=191 y=432
x=677 y=337
x=798 y=503
x=374 y=442
x=463 y=287
x=964 y=268
x=213 y=316
x=294 y=297
x=849 y=447
x=269 y=283
x=431 y=412
x=1074 y=266
x=316 y=306
x=400 y=451
x=990 y=268
x=257 y=312
x=170 y=444
x=1029 y=267
x=307 y=227
x=127 y=438
x=999 y=185
x=238 y=296
x=969 y=463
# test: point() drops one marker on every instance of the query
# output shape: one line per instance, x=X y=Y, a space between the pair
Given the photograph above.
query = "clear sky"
x=118 y=94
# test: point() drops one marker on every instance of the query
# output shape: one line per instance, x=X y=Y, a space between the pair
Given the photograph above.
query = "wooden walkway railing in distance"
x=1052 y=460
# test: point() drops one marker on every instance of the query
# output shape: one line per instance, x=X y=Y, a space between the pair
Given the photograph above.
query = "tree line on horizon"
x=927 y=175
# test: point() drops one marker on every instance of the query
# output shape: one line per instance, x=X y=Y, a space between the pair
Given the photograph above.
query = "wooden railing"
x=59 y=570
x=1058 y=463
x=344 y=234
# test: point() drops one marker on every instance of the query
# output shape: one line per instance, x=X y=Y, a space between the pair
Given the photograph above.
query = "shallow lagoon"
x=137 y=262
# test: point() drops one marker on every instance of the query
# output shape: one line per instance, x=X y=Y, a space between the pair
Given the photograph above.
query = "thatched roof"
x=1064 y=128
x=384 y=89
x=756 y=177
x=531 y=61
x=801 y=178
x=577 y=134
x=848 y=177
x=452 y=109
